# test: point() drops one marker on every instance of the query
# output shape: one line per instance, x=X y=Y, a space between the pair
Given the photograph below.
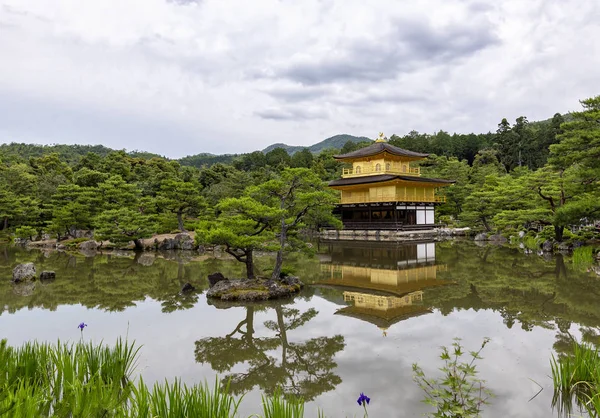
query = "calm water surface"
x=370 y=312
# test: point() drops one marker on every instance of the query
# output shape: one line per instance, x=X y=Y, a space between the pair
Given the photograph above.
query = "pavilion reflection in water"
x=383 y=283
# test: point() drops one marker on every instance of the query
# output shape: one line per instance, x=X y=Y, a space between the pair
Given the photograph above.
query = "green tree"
x=180 y=198
x=243 y=226
x=278 y=158
x=123 y=225
x=252 y=161
x=303 y=158
x=297 y=195
x=73 y=208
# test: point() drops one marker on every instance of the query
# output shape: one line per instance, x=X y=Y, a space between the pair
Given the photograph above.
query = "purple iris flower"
x=363 y=398
x=82 y=326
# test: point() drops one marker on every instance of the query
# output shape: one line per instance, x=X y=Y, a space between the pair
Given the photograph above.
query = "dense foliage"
x=525 y=175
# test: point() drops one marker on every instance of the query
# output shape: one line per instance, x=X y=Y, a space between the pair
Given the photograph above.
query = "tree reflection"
x=300 y=368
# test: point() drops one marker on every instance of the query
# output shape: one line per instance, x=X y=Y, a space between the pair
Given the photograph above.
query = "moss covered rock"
x=255 y=290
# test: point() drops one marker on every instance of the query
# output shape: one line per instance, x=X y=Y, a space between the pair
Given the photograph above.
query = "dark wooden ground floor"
x=387 y=215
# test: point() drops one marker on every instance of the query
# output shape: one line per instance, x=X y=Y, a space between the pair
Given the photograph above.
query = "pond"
x=370 y=311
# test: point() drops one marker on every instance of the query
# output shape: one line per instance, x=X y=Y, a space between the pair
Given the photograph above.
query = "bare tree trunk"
x=279 y=258
x=180 y=221
x=558 y=232
x=5 y=227
x=250 y=265
x=486 y=225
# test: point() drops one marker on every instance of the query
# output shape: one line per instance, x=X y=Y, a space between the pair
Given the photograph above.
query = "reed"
x=179 y=400
x=86 y=380
x=576 y=378
x=583 y=257
x=278 y=406
x=66 y=379
x=531 y=243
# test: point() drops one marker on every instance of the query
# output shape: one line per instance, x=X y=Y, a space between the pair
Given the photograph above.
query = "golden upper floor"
x=380 y=166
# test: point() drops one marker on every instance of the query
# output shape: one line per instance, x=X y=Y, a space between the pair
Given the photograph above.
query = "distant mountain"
x=69 y=153
x=336 y=142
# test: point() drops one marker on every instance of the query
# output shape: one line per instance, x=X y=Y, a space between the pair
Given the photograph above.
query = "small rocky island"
x=247 y=290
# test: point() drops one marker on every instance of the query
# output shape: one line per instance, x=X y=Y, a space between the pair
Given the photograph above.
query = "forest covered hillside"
x=544 y=173
x=334 y=142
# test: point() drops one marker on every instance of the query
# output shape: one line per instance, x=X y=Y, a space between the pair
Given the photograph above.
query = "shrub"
x=26 y=232
x=459 y=392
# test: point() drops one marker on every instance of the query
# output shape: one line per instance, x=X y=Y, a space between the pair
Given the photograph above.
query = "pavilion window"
x=377 y=167
x=387 y=167
x=357 y=169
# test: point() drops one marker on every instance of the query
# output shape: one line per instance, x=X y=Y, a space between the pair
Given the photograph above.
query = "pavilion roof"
x=380 y=178
x=378 y=148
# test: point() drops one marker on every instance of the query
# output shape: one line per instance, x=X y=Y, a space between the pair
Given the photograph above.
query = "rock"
x=215 y=278
x=598 y=256
x=61 y=247
x=577 y=244
x=548 y=246
x=167 y=244
x=187 y=245
x=481 y=237
x=497 y=238
x=146 y=259
x=24 y=272
x=21 y=241
x=595 y=269
x=90 y=245
x=184 y=241
x=47 y=276
x=292 y=281
x=565 y=246
x=187 y=288
x=252 y=290
x=82 y=233
x=522 y=234
x=24 y=289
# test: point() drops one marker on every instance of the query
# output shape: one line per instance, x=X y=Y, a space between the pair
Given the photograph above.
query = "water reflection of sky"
x=516 y=362
x=379 y=366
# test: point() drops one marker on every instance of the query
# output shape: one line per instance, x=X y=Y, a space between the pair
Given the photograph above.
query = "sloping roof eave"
x=385 y=177
x=379 y=148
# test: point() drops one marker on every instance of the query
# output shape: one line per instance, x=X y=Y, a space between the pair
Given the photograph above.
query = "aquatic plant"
x=176 y=399
x=576 y=377
x=363 y=400
x=65 y=379
x=459 y=393
x=531 y=243
x=280 y=406
x=583 y=257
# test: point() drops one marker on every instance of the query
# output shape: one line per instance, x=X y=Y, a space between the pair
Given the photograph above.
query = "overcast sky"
x=180 y=77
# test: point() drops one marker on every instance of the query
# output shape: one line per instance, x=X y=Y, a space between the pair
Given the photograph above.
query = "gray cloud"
x=185 y=72
x=407 y=46
x=296 y=93
x=290 y=113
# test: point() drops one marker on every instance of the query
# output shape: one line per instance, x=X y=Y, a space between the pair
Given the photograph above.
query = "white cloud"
x=183 y=77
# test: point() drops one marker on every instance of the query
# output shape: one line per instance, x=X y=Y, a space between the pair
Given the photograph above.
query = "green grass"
x=583 y=257
x=87 y=380
x=531 y=243
x=277 y=406
x=576 y=379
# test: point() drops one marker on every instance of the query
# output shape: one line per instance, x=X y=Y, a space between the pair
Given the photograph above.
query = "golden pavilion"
x=384 y=190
